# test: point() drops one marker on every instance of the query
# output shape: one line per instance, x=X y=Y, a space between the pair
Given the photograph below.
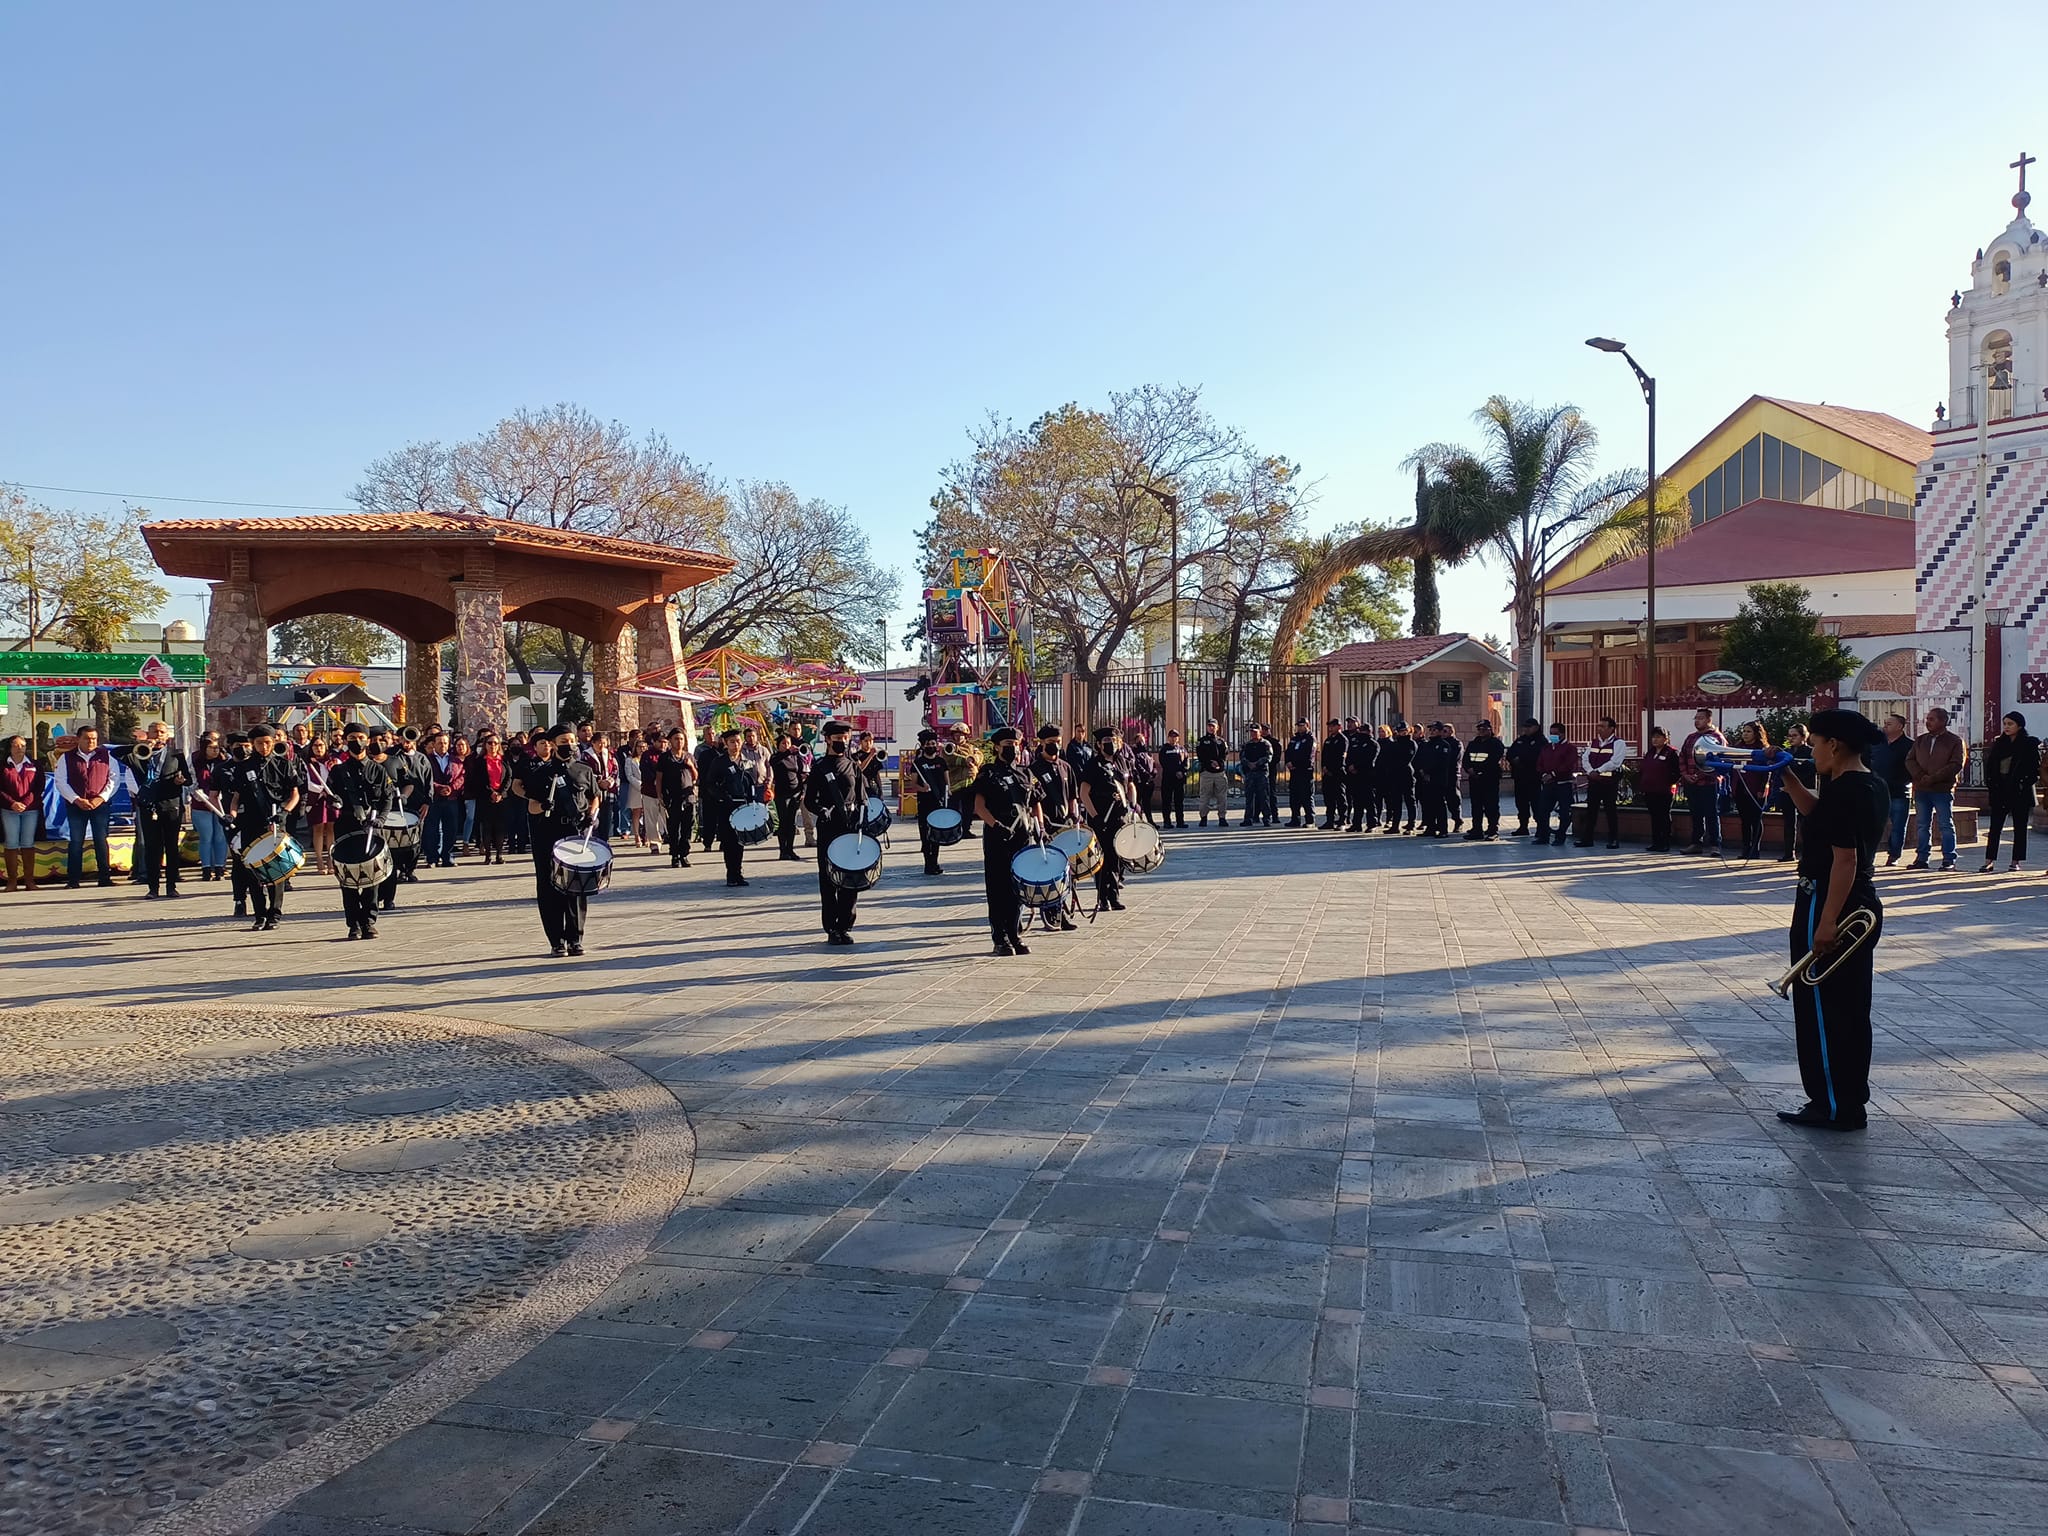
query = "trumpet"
x=1852 y=931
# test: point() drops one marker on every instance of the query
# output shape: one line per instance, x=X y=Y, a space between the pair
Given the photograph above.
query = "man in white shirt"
x=88 y=778
x=1604 y=760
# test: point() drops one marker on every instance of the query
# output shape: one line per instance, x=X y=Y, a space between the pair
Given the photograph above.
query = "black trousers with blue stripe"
x=1831 y=1022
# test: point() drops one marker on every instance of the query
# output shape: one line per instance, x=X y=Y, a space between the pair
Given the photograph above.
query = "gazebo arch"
x=428 y=576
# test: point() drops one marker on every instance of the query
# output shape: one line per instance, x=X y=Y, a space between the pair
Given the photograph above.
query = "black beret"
x=1003 y=733
x=838 y=728
x=927 y=734
x=1048 y=732
x=261 y=732
x=1104 y=730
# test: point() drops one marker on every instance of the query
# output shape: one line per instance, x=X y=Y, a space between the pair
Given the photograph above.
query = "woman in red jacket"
x=1657 y=780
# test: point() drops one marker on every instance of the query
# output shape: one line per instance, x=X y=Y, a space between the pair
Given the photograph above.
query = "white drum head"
x=854 y=853
x=576 y=853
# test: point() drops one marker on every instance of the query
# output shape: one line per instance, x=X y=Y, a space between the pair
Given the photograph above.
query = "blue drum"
x=1043 y=876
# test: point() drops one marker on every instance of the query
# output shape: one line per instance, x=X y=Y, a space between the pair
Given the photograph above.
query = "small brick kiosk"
x=1416 y=679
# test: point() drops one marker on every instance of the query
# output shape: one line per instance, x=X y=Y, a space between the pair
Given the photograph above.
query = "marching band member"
x=562 y=798
x=1007 y=801
x=1102 y=802
x=413 y=772
x=927 y=772
x=162 y=778
x=837 y=796
x=786 y=770
x=363 y=790
x=729 y=786
x=263 y=790
x=1058 y=802
x=1844 y=822
x=676 y=777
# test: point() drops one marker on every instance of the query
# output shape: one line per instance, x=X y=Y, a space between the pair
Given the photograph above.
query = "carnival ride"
x=977 y=625
x=728 y=688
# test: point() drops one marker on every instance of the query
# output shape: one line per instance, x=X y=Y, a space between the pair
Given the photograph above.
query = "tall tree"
x=1532 y=480
x=80 y=577
x=1775 y=642
x=803 y=578
x=1080 y=504
x=331 y=640
x=1429 y=613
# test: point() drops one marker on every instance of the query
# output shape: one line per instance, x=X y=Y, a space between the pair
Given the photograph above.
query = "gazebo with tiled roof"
x=429 y=577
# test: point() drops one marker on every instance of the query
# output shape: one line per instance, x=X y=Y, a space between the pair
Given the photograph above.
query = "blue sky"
x=249 y=248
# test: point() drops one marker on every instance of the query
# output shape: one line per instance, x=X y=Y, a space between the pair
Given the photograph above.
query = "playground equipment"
x=729 y=688
x=978 y=626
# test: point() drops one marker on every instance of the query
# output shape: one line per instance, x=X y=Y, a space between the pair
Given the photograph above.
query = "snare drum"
x=945 y=827
x=362 y=861
x=1043 y=876
x=1083 y=853
x=273 y=858
x=582 y=866
x=401 y=829
x=1138 y=845
x=750 y=823
x=853 y=861
x=875 y=820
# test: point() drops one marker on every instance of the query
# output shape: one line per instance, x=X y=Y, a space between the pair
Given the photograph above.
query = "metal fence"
x=1274 y=696
x=1130 y=698
x=1579 y=709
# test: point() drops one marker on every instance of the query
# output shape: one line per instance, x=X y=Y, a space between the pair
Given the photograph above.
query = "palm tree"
x=1454 y=520
x=1530 y=483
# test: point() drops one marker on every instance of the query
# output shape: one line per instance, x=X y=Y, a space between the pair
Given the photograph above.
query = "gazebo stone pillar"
x=612 y=668
x=659 y=647
x=423 y=702
x=237 y=648
x=479 y=656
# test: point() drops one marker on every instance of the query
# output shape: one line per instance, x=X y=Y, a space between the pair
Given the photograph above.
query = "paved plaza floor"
x=1341 y=1184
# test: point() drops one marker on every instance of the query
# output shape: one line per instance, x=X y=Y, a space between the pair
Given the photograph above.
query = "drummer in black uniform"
x=264 y=788
x=786 y=778
x=727 y=787
x=927 y=779
x=837 y=796
x=413 y=772
x=365 y=791
x=561 y=799
x=1104 y=806
x=1058 y=803
x=1006 y=800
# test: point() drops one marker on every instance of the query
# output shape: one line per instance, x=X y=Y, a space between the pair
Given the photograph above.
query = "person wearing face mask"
x=1843 y=820
x=362 y=791
x=836 y=794
x=1104 y=805
x=561 y=795
x=1557 y=769
x=1007 y=803
x=729 y=786
x=266 y=789
x=926 y=775
x=413 y=772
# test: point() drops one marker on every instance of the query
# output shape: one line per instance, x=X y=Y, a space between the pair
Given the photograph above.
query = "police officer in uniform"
x=1301 y=776
x=1361 y=757
x=837 y=795
x=1436 y=770
x=1173 y=783
x=264 y=788
x=927 y=771
x=364 y=791
x=561 y=797
x=1006 y=801
x=1332 y=763
x=1394 y=775
x=1102 y=803
x=1483 y=763
x=1521 y=755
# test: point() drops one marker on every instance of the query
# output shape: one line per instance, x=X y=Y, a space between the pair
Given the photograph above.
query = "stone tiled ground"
x=1339 y=1184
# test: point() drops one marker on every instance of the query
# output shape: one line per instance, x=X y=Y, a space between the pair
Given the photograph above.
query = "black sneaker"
x=259 y=925
x=1004 y=947
x=369 y=930
x=557 y=951
x=270 y=923
x=241 y=909
x=1067 y=924
x=574 y=949
x=1021 y=947
x=352 y=934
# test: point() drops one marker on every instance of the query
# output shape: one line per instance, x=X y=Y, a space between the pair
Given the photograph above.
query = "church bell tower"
x=1990 y=575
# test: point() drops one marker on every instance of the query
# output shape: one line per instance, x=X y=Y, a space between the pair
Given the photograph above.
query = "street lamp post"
x=1649 y=385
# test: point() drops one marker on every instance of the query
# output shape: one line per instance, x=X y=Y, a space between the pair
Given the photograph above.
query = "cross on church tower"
x=2022 y=197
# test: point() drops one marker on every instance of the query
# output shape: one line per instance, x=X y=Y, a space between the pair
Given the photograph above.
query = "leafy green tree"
x=1776 y=644
x=1530 y=482
x=331 y=640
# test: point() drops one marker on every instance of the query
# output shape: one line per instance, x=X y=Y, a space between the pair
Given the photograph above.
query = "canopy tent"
x=180 y=678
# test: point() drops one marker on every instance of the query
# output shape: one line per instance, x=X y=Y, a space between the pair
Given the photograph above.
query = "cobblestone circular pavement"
x=222 y=1231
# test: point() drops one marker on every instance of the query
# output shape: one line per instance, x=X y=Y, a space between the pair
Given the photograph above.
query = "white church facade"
x=1988 y=576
